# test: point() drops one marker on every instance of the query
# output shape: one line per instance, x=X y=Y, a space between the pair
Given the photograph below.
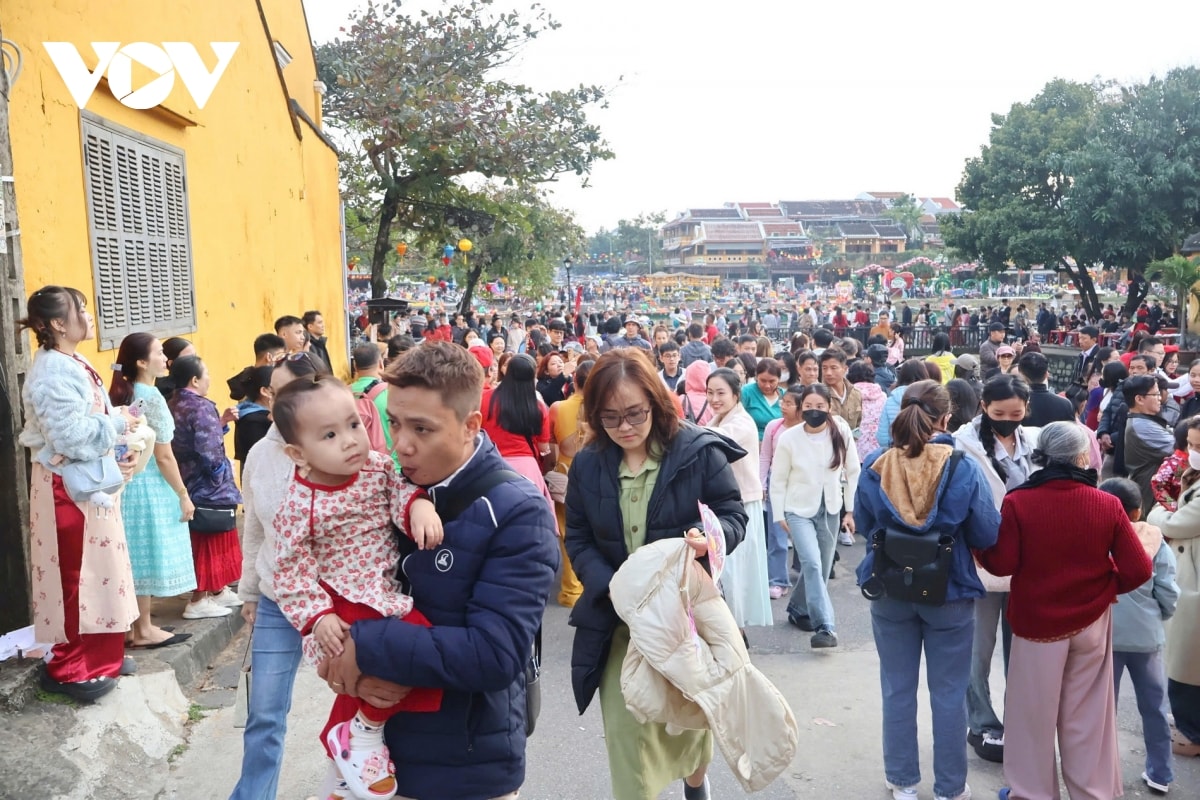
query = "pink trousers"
x=1062 y=688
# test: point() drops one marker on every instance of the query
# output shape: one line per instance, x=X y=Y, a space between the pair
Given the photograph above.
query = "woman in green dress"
x=638 y=481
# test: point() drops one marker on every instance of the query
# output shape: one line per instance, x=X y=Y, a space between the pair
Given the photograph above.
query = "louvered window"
x=138 y=222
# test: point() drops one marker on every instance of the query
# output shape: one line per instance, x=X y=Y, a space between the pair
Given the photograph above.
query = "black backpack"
x=912 y=566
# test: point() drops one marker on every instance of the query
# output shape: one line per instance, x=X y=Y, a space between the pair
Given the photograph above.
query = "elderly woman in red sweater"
x=1070 y=550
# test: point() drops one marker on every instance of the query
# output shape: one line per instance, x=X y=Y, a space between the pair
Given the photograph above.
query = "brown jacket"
x=849 y=409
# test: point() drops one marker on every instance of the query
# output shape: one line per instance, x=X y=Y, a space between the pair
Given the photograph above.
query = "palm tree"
x=1181 y=274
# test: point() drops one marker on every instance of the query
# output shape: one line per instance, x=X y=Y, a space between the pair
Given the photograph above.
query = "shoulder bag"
x=82 y=479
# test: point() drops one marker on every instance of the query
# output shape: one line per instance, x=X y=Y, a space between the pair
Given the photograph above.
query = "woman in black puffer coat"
x=638 y=481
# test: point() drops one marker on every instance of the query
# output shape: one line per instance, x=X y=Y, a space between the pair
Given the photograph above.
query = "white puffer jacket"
x=702 y=679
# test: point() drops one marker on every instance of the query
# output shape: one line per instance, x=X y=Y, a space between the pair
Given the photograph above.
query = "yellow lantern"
x=465 y=245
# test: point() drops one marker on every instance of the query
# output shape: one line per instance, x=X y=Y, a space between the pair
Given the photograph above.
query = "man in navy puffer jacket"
x=484 y=590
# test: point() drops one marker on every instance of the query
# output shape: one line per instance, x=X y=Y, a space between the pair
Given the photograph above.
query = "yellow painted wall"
x=263 y=205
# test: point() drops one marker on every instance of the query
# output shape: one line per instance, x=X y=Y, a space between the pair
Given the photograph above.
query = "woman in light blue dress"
x=155 y=503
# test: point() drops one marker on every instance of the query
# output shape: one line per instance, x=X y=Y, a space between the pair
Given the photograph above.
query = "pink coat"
x=873 y=399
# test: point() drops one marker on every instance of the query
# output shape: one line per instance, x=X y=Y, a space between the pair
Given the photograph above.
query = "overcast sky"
x=774 y=100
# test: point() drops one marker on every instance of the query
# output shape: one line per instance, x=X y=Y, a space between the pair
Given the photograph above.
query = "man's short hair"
x=1090 y=330
x=747 y=338
x=365 y=355
x=695 y=331
x=287 y=321
x=1137 y=386
x=822 y=337
x=400 y=343
x=723 y=348
x=1150 y=361
x=668 y=346
x=1148 y=343
x=1034 y=367
x=310 y=317
x=557 y=325
x=444 y=368
x=833 y=354
x=266 y=342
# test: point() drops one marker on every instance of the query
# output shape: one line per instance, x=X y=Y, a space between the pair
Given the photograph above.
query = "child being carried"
x=336 y=560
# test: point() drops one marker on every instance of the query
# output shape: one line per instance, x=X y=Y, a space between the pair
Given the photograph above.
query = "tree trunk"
x=383 y=243
x=1139 y=287
x=1087 y=289
x=474 y=273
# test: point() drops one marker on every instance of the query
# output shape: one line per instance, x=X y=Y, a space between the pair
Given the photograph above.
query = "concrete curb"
x=189 y=660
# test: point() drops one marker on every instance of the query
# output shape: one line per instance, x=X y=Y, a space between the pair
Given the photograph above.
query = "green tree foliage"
x=907 y=214
x=1084 y=176
x=1016 y=189
x=419 y=98
x=631 y=240
x=1182 y=275
x=528 y=242
x=1136 y=194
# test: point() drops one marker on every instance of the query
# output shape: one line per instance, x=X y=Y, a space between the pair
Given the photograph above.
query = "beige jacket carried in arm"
x=1182 y=531
x=698 y=679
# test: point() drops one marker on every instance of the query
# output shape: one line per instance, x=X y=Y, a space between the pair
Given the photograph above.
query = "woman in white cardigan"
x=813 y=477
x=275 y=644
x=744 y=581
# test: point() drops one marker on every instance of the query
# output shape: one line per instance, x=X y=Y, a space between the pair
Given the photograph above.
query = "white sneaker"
x=902 y=792
x=846 y=538
x=228 y=599
x=205 y=608
x=965 y=795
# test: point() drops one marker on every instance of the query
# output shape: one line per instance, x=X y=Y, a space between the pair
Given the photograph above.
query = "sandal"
x=368 y=774
x=82 y=691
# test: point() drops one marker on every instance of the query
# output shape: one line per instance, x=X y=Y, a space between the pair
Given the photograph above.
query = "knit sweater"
x=1070 y=550
x=265 y=482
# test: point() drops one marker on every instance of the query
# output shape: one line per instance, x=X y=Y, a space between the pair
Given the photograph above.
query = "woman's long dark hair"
x=911 y=371
x=835 y=433
x=1001 y=387
x=519 y=411
x=47 y=304
x=134 y=348
x=925 y=402
x=940 y=344
x=964 y=403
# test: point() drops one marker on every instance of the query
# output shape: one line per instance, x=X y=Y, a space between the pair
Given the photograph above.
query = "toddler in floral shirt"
x=336 y=560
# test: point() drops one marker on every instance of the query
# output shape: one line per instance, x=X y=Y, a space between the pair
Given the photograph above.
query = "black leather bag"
x=912 y=566
x=213 y=519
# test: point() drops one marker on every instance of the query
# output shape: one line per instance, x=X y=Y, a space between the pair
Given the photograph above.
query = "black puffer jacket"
x=695 y=467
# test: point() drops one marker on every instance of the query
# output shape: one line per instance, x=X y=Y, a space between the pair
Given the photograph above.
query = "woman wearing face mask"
x=807 y=493
x=777 y=537
x=744 y=583
x=1003 y=449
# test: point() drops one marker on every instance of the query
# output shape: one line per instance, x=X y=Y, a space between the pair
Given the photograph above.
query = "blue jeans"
x=901 y=631
x=815 y=540
x=1149 y=678
x=274 y=659
x=777 y=550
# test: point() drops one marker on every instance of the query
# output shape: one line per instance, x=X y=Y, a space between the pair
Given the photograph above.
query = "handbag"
x=533 y=685
x=241 y=700
x=556 y=484
x=210 y=519
x=82 y=479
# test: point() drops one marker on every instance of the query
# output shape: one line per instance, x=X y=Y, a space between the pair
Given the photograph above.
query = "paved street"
x=834 y=695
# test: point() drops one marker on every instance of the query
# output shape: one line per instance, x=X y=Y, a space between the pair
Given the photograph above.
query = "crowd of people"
x=407 y=529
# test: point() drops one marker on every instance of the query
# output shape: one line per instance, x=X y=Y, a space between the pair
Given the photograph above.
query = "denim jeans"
x=815 y=540
x=1185 y=705
x=274 y=660
x=990 y=612
x=1149 y=677
x=901 y=631
x=777 y=550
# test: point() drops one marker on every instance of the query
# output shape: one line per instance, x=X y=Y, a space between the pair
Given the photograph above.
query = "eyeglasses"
x=634 y=418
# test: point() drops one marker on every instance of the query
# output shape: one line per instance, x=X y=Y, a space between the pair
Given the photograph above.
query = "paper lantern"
x=401 y=249
x=447 y=251
x=465 y=245
x=446 y=260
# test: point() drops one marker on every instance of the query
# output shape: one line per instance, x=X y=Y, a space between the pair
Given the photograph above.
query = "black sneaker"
x=803 y=622
x=823 y=638
x=987 y=745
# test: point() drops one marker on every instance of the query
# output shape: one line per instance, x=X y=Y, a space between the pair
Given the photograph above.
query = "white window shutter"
x=138 y=223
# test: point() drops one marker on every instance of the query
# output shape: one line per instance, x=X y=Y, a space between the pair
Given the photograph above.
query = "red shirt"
x=1070 y=550
x=711 y=334
x=511 y=445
